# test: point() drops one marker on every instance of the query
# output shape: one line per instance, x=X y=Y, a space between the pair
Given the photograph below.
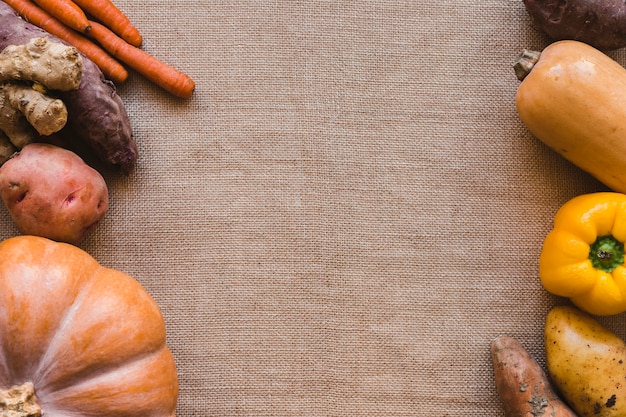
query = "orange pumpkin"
x=88 y=340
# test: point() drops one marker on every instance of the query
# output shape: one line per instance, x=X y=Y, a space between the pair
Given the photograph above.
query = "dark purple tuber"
x=599 y=23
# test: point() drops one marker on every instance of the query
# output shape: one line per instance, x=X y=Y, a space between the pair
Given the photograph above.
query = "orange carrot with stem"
x=113 y=18
x=111 y=68
x=67 y=12
x=160 y=73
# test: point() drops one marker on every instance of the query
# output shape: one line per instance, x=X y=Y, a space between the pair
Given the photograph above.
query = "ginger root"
x=14 y=125
x=46 y=114
x=27 y=73
x=26 y=113
x=51 y=64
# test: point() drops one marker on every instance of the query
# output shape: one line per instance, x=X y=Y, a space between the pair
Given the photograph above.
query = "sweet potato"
x=599 y=23
x=522 y=385
x=96 y=114
x=51 y=192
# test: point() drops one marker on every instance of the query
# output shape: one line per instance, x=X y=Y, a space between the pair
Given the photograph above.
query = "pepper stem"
x=19 y=401
x=606 y=253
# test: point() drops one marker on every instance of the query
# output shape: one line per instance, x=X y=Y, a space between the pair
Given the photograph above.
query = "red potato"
x=599 y=23
x=522 y=385
x=51 y=192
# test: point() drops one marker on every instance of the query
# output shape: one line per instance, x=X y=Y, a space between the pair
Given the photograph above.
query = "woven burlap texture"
x=346 y=212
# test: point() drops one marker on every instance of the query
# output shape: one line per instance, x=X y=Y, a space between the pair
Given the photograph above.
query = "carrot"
x=67 y=12
x=160 y=73
x=110 y=16
x=112 y=69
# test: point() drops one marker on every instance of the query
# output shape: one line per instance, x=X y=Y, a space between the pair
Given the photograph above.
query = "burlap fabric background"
x=347 y=210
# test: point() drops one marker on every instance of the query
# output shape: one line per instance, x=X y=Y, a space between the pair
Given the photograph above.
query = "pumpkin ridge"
x=26 y=256
x=59 y=368
x=138 y=385
x=47 y=359
x=95 y=371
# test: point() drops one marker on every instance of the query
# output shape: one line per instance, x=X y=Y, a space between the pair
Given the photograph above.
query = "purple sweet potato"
x=599 y=23
x=97 y=117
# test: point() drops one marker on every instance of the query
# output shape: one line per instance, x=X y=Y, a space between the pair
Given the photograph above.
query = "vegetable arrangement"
x=586 y=365
x=97 y=117
x=58 y=71
x=75 y=338
x=582 y=259
x=570 y=98
x=56 y=17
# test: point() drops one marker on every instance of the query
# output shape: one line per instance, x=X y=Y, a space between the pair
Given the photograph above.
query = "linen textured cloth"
x=348 y=209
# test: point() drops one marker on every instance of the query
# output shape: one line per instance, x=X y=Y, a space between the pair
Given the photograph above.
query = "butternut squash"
x=572 y=97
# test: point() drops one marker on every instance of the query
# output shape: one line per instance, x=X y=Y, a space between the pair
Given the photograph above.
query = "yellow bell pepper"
x=583 y=255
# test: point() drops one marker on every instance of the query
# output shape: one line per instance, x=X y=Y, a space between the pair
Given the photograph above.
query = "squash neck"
x=19 y=401
x=525 y=62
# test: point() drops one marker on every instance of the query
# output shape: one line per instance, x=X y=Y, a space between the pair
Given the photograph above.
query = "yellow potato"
x=587 y=363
